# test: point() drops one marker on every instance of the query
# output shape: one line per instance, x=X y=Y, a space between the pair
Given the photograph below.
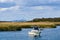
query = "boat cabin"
x=35 y=28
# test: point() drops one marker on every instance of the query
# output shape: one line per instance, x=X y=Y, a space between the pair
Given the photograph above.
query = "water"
x=46 y=34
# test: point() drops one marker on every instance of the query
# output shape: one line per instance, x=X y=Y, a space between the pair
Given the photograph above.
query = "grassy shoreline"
x=14 y=26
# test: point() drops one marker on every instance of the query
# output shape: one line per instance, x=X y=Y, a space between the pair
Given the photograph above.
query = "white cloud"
x=10 y=8
x=42 y=8
x=3 y=9
x=6 y=1
x=14 y=8
x=54 y=0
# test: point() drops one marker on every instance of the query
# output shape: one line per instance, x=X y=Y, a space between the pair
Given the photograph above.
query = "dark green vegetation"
x=45 y=20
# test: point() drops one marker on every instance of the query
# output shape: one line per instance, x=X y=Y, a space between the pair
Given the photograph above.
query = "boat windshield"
x=36 y=28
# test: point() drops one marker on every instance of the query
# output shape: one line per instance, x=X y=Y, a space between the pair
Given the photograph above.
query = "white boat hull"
x=34 y=33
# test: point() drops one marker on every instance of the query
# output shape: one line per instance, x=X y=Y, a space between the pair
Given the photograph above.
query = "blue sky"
x=28 y=9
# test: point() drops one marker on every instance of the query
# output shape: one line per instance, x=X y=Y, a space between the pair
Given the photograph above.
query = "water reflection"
x=35 y=38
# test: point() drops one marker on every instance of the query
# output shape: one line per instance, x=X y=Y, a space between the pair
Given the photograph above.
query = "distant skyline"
x=28 y=9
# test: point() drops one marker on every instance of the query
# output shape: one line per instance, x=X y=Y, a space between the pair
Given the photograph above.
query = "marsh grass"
x=16 y=26
x=10 y=28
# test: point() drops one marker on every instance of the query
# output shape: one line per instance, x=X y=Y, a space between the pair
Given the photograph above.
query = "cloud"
x=28 y=9
x=42 y=8
x=6 y=5
x=30 y=4
x=54 y=0
x=10 y=8
x=2 y=1
x=39 y=2
x=3 y=9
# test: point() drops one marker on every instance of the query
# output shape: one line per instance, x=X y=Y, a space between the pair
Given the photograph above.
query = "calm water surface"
x=46 y=34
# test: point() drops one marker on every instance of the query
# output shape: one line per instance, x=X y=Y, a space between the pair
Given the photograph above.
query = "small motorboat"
x=35 y=31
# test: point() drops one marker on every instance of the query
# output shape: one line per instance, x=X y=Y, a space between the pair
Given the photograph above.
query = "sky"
x=28 y=9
